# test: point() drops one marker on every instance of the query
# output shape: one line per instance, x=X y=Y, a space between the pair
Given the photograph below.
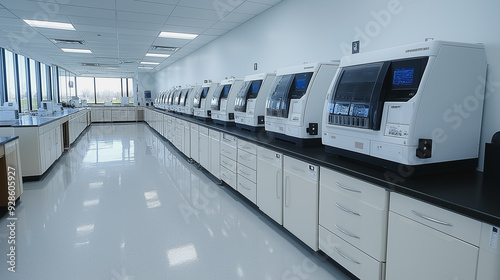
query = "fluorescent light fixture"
x=49 y=24
x=149 y=63
x=157 y=54
x=76 y=50
x=175 y=35
x=144 y=67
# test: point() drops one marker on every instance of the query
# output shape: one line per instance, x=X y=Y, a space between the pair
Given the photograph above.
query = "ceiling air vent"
x=164 y=48
x=68 y=41
x=90 y=64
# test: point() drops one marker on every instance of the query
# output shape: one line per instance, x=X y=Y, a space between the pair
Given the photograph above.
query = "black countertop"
x=5 y=140
x=32 y=121
x=468 y=193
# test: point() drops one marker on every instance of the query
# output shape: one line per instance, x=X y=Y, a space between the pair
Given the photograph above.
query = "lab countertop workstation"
x=250 y=139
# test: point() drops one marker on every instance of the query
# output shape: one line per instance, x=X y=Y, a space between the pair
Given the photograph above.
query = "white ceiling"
x=119 y=32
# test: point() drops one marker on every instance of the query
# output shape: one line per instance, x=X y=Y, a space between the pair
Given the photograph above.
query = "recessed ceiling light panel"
x=149 y=63
x=49 y=24
x=175 y=35
x=157 y=55
x=76 y=50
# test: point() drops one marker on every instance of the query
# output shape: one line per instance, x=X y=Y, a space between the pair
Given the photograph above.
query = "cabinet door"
x=195 y=144
x=416 y=251
x=12 y=160
x=300 y=211
x=48 y=149
x=131 y=115
x=270 y=183
x=58 y=142
x=215 y=153
x=187 y=140
x=204 y=150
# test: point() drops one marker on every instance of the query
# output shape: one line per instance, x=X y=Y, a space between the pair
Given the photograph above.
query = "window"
x=86 y=89
x=130 y=89
x=23 y=83
x=33 y=84
x=62 y=86
x=43 y=77
x=10 y=76
x=108 y=89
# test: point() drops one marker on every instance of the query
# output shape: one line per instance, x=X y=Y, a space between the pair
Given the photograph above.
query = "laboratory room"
x=249 y=139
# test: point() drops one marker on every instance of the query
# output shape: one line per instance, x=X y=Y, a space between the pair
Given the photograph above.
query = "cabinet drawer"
x=358 y=263
x=357 y=222
x=194 y=127
x=203 y=130
x=229 y=140
x=300 y=168
x=247 y=188
x=215 y=135
x=228 y=151
x=228 y=163
x=248 y=159
x=247 y=172
x=270 y=156
x=247 y=146
x=228 y=177
x=456 y=225
x=351 y=187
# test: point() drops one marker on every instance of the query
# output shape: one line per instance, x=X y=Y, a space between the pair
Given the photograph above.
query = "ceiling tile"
x=237 y=17
x=89 y=12
x=92 y=21
x=100 y=4
x=214 y=31
x=226 y=25
x=189 y=12
x=251 y=8
x=144 y=7
x=140 y=17
x=139 y=25
x=189 y=22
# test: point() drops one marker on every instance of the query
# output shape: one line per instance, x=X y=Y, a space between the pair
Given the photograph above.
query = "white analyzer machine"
x=250 y=104
x=413 y=105
x=187 y=102
x=202 y=100
x=222 y=104
x=293 y=106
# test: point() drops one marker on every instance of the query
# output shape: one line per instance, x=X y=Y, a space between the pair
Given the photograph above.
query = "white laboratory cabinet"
x=186 y=139
x=270 y=183
x=427 y=242
x=204 y=145
x=228 y=157
x=300 y=200
x=195 y=143
x=214 y=165
x=353 y=223
x=97 y=114
x=247 y=170
x=10 y=161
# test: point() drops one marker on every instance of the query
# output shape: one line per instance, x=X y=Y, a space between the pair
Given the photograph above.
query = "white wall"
x=297 y=31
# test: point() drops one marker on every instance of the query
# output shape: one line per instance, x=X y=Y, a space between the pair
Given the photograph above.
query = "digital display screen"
x=300 y=84
x=360 y=110
x=341 y=109
x=403 y=77
x=255 y=88
x=225 y=91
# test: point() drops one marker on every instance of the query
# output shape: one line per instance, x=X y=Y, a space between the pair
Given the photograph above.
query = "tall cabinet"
x=300 y=200
x=270 y=183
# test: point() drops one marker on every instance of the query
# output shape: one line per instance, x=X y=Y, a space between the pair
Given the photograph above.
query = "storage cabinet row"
x=40 y=146
x=373 y=233
x=116 y=114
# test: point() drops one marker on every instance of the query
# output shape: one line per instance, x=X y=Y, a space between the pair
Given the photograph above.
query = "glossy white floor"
x=124 y=204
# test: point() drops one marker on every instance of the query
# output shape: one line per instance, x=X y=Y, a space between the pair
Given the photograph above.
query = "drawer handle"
x=227 y=164
x=266 y=157
x=347 y=232
x=277 y=182
x=244 y=173
x=244 y=187
x=342 y=254
x=297 y=169
x=286 y=191
x=347 y=188
x=346 y=210
x=431 y=219
x=226 y=140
